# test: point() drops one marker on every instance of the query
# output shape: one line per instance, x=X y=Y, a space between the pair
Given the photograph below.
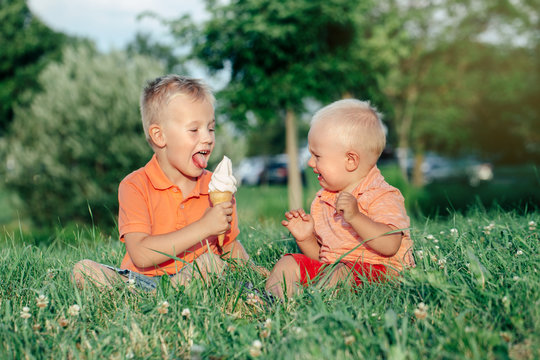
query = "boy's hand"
x=347 y=206
x=217 y=219
x=300 y=224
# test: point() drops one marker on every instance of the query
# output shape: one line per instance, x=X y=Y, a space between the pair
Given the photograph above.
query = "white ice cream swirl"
x=222 y=178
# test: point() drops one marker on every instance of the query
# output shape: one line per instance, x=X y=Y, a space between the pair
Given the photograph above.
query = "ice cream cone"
x=218 y=197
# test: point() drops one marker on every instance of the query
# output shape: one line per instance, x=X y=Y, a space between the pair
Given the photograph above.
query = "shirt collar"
x=372 y=179
x=160 y=181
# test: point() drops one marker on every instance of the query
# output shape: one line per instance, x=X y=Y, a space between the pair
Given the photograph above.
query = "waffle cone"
x=218 y=197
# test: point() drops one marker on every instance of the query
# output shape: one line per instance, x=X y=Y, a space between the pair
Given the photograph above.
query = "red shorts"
x=310 y=268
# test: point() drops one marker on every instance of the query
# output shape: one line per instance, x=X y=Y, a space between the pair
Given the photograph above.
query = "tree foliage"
x=27 y=45
x=278 y=54
x=69 y=150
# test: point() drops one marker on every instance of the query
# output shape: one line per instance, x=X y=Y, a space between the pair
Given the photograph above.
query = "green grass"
x=480 y=285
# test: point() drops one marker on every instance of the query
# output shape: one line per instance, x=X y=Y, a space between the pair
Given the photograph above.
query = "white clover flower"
x=255 y=349
x=297 y=330
x=437 y=247
x=42 y=301
x=131 y=283
x=454 y=232
x=420 y=254
x=442 y=233
x=231 y=329
x=349 y=340
x=373 y=314
x=186 y=313
x=268 y=324
x=442 y=263
x=519 y=252
x=421 y=311
x=74 y=310
x=163 y=308
x=252 y=299
x=515 y=278
x=532 y=225
x=25 y=313
x=505 y=300
x=430 y=237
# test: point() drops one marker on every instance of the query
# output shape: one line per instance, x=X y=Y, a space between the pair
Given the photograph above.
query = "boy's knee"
x=286 y=273
x=83 y=270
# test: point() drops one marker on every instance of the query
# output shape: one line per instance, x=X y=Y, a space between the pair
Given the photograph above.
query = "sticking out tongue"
x=200 y=160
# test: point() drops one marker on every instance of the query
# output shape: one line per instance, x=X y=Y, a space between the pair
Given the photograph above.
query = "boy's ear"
x=352 y=160
x=157 y=135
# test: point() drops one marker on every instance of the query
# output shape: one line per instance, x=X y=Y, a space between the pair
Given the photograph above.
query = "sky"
x=111 y=23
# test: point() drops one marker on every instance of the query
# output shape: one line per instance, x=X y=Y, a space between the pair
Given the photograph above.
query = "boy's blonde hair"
x=159 y=92
x=357 y=123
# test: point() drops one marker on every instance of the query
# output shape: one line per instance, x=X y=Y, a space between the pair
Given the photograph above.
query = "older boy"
x=166 y=219
x=357 y=227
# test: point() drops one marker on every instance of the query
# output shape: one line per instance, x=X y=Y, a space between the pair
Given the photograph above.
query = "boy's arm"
x=147 y=250
x=366 y=228
x=302 y=227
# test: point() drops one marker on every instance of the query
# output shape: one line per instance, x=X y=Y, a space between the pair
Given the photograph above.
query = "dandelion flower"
x=42 y=301
x=186 y=313
x=25 y=313
x=421 y=311
x=349 y=340
x=74 y=310
x=163 y=308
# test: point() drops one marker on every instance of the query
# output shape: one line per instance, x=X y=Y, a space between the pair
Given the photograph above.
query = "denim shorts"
x=143 y=282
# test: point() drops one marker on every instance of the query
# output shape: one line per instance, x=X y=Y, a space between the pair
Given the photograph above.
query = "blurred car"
x=258 y=170
x=436 y=168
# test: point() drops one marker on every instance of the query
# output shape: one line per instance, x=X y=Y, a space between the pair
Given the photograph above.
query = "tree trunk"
x=294 y=181
x=418 y=179
x=404 y=128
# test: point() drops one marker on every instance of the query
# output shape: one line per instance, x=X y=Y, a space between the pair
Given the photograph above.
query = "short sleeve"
x=389 y=208
x=134 y=213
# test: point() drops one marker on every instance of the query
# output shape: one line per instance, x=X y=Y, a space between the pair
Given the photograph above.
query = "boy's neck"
x=185 y=183
x=358 y=178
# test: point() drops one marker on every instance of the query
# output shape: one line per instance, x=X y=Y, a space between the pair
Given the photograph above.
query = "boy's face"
x=328 y=157
x=188 y=131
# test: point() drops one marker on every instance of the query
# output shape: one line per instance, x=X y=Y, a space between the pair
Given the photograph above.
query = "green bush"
x=68 y=151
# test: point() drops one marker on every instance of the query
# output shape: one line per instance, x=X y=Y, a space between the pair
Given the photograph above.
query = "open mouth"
x=200 y=159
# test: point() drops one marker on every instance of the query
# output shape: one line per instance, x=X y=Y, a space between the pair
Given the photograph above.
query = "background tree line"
x=452 y=76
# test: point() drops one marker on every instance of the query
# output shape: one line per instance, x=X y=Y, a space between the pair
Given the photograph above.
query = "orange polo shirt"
x=377 y=200
x=150 y=203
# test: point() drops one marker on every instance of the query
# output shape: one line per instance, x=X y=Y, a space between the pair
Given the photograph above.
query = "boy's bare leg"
x=98 y=274
x=284 y=277
x=207 y=263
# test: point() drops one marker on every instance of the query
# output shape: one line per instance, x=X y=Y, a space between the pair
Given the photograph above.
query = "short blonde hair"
x=159 y=92
x=357 y=123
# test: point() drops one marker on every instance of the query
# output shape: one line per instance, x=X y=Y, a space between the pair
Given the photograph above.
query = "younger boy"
x=166 y=219
x=357 y=226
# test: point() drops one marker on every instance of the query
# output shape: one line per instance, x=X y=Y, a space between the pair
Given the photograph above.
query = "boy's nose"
x=208 y=137
x=311 y=162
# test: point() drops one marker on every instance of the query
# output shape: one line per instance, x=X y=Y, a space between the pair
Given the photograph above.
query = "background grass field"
x=479 y=283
